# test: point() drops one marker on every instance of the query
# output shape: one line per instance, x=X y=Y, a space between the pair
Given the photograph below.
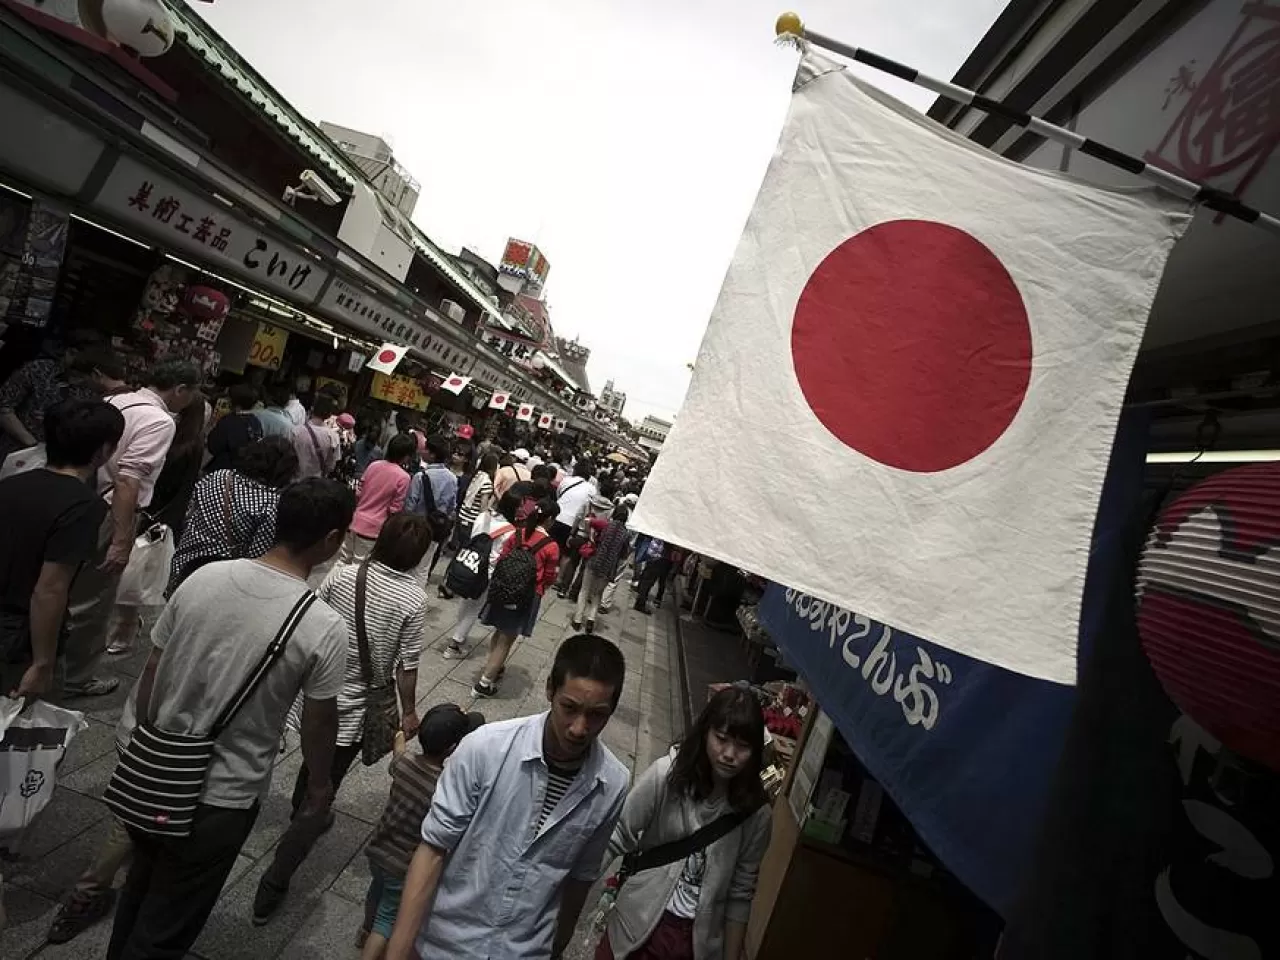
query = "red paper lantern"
x=1209 y=607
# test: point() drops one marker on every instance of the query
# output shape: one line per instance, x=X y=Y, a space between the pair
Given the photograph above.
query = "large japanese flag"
x=906 y=396
x=387 y=358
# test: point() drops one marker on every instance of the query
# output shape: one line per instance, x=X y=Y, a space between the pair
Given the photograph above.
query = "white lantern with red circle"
x=1209 y=607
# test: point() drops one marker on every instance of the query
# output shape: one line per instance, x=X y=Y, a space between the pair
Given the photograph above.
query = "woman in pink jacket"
x=382 y=491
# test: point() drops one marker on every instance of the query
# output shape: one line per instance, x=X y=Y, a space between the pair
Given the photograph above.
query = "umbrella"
x=616 y=457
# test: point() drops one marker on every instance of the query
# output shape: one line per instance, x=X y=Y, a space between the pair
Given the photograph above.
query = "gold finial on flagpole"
x=791 y=23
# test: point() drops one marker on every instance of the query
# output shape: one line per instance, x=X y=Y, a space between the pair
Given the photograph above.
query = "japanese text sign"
x=353 y=305
x=402 y=391
x=182 y=219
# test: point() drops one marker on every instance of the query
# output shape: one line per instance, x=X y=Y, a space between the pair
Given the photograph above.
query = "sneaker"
x=266 y=902
x=576 y=624
x=117 y=648
x=484 y=688
x=97 y=687
x=591 y=626
x=454 y=651
x=79 y=913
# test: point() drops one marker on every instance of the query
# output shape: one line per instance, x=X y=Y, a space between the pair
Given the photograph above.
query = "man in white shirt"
x=211 y=636
x=519 y=824
x=296 y=412
x=126 y=481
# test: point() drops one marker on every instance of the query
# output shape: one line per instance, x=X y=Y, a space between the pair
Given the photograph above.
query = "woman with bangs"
x=695 y=908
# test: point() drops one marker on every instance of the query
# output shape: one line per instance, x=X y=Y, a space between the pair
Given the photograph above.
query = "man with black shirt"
x=236 y=430
x=52 y=517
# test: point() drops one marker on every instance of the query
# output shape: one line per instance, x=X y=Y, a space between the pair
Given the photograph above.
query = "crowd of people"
x=297 y=598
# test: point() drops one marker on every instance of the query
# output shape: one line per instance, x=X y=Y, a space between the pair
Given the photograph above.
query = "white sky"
x=626 y=139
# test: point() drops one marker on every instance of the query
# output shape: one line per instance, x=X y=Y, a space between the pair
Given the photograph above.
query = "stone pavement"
x=326 y=900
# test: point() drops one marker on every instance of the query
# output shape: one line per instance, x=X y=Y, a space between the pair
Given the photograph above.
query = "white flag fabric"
x=525 y=412
x=561 y=426
x=386 y=358
x=499 y=400
x=906 y=396
x=544 y=422
x=455 y=384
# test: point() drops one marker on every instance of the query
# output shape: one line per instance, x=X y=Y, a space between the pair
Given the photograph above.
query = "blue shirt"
x=275 y=422
x=444 y=490
x=499 y=894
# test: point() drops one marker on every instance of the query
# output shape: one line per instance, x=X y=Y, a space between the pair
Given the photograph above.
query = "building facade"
x=373 y=156
x=612 y=400
x=1190 y=85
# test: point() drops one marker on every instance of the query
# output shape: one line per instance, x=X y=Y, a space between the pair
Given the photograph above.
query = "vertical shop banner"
x=31 y=287
x=966 y=749
x=267 y=349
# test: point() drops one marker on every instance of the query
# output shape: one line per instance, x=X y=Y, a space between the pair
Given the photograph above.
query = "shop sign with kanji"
x=402 y=391
x=349 y=303
x=179 y=218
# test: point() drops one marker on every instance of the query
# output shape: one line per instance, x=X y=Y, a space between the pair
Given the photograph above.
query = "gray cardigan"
x=653 y=815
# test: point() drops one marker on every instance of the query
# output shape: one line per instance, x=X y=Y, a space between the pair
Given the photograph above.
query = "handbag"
x=157 y=782
x=381 y=710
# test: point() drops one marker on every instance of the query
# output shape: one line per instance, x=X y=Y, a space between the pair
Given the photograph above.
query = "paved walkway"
x=325 y=904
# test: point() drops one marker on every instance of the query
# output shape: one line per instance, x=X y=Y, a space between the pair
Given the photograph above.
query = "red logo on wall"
x=1230 y=123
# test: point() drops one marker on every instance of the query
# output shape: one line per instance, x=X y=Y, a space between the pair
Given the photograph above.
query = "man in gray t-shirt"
x=214 y=630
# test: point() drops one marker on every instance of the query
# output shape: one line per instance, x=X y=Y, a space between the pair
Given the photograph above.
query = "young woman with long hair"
x=696 y=908
x=508 y=622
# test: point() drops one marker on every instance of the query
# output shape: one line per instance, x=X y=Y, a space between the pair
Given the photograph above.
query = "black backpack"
x=468 y=573
x=515 y=579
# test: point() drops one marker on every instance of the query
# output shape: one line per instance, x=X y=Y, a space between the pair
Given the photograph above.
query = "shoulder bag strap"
x=273 y=653
x=228 y=503
x=564 y=490
x=315 y=445
x=666 y=853
x=362 y=637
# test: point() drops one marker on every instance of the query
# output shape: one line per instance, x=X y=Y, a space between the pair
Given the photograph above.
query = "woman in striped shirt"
x=476 y=501
x=395 y=617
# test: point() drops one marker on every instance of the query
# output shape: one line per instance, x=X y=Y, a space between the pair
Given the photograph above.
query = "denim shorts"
x=385 y=890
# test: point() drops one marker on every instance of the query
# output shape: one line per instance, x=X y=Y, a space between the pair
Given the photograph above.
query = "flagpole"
x=790 y=28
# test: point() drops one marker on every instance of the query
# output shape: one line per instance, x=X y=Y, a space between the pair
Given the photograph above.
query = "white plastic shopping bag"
x=33 y=741
x=147 y=573
x=20 y=461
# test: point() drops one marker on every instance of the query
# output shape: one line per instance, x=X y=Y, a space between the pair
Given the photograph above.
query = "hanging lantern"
x=205 y=303
x=1209 y=607
x=143 y=26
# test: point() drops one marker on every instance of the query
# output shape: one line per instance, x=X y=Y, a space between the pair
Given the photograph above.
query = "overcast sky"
x=626 y=138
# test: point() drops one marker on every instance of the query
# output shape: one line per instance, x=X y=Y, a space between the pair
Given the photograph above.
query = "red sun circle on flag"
x=912 y=345
x=387 y=356
x=455 y=381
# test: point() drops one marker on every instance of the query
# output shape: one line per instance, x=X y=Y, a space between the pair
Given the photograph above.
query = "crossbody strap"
x=273 y=653
x=315 y=445
x=362 y=637
x=228 y=502
x=564 y=490
x=666 y=853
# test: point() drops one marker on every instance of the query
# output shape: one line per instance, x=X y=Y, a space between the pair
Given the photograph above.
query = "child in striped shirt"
x=413 y=784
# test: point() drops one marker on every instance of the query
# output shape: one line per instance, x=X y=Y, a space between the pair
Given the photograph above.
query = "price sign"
x=267 y=349
x=402 y=391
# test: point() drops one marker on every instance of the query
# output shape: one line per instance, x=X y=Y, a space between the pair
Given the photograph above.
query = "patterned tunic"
x=230 y=516
x=32 y=389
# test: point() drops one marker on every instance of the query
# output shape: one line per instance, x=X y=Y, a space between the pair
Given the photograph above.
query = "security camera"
x=323 y=191
x=311 y=187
